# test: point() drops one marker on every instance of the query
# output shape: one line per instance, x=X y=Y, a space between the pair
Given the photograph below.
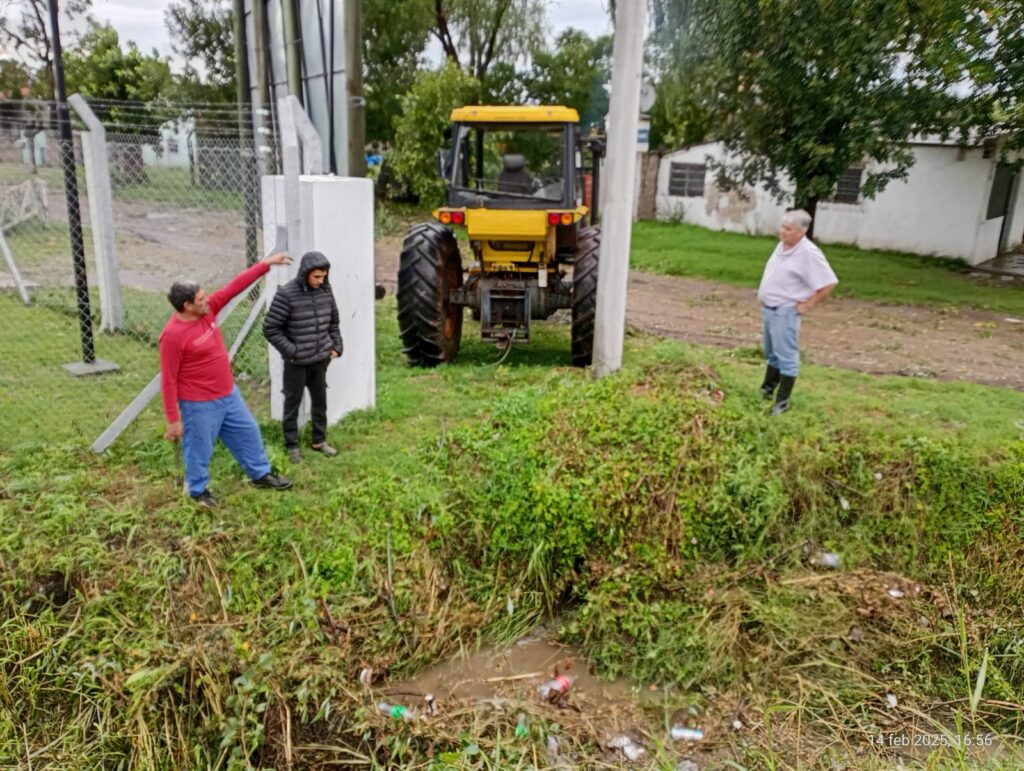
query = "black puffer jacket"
x=302 y=322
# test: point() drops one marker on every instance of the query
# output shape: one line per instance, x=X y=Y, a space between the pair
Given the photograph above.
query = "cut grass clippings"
x=680 y=249
x=663 y=529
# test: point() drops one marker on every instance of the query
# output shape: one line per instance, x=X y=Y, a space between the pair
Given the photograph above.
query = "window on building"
x=999 y=198
x=172 y=144
x=848 y=186
x=686 y=179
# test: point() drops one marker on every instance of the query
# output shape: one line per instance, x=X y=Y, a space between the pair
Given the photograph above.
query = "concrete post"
x=101 y=211
x=618 y=183
x=330 y=207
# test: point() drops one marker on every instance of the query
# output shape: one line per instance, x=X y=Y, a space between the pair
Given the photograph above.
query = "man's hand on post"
x=174 y=431
x=278 y=258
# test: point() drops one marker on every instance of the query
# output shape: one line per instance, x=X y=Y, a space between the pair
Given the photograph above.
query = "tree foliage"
x=478 y=34
x=203 y=34
x=25 y=29
x=395 y=33
x=419 y=132
x=798 y=91
x=572 y=73
x=100 y=68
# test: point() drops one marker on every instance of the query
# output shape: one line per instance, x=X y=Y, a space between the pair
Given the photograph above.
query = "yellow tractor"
x=516 y=185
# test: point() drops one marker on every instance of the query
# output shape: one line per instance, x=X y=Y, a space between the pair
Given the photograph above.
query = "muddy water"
x=515 y=672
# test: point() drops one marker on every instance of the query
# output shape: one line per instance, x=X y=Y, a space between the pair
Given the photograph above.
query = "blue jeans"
x=229 y=419
x=781 y=339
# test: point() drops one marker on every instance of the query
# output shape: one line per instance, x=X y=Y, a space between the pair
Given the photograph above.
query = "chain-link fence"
x=182 y=196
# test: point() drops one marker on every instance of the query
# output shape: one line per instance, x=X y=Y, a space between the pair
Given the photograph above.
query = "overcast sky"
x=143 y=20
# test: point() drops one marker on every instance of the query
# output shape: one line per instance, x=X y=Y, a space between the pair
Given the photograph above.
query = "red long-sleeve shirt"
x=193 y=359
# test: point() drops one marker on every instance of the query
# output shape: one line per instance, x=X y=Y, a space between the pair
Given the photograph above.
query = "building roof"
x=515 y=114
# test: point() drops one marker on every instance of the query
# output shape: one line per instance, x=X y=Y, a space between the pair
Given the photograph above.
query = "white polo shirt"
x=792 y=276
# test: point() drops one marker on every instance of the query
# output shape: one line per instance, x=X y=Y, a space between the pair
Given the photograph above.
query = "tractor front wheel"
x=429 y=268
x=584 y=295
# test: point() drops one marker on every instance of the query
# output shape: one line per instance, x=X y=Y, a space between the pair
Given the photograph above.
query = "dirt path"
x=881 y=338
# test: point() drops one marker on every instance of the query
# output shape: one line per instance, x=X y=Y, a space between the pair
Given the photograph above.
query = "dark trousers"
x=297 y=378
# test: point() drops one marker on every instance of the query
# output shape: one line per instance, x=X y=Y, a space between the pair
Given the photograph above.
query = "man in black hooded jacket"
x=302 y=324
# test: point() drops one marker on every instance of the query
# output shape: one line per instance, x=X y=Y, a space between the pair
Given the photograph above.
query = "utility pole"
x=620 y=176
x=89 y=364
x=354 y=88
x=250 y=179
x=292 y=49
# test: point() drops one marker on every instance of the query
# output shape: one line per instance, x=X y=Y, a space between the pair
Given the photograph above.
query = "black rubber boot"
x=785 y=389
x=771 y=382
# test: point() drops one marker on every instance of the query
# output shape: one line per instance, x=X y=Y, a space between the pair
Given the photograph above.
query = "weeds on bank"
x=664 y=529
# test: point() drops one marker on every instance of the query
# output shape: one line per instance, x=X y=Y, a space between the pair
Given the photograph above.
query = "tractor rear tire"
x=429 y=268
x=584 y=295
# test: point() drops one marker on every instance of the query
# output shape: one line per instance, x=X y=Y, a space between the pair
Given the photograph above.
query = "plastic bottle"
x=689 y=734
x=396 y=711
x=521 y=730
x=556 y=688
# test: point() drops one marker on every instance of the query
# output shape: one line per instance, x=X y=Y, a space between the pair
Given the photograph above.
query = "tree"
x=419 y=132
x=478 y=34
x=394 y=35
x=799 y=91
x=14 y=77
x=573 y=73
x=203 y=34
x=25 y=29
x=128 y=83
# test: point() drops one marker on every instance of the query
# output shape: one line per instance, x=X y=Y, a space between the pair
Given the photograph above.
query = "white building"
x=955 y=202
x=177 y=137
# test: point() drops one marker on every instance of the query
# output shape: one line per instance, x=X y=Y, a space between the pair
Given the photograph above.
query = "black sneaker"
x=206 y=499
x=273 y=482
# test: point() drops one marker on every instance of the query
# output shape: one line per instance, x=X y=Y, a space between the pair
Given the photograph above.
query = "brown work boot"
x=326 y=449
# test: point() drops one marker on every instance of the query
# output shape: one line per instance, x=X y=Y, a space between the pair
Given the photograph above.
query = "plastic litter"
x=737 y=725
x=844 y=504
x=552 y=750
x=878 y=476
x=396 y=711
x=856 y=633
x=687 y=765
x=510 y=606
x=891 y=699
x=521 y=730
x=555 y=689
x=365 y=677
x=825 y=559
x=630 y=749
x=431 y=705
x=687 y=734
x=895 y=592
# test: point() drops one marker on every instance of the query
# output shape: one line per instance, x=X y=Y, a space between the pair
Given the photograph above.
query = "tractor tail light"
x=554 y=218
x=445 y=217
x=458 y=218
x=567 y=219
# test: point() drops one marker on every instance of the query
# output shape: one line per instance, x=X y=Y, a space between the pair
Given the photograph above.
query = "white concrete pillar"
x=336 y=218
x=618 y=184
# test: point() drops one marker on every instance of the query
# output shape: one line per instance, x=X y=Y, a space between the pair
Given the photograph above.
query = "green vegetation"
x=662 y=528
x=679 y=249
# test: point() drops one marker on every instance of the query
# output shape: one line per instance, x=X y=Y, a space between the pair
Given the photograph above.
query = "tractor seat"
x=513 y=177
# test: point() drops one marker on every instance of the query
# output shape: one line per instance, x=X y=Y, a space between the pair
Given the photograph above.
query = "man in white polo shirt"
x=796 y=278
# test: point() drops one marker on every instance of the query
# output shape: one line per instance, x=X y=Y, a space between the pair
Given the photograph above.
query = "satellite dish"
x=647 y=97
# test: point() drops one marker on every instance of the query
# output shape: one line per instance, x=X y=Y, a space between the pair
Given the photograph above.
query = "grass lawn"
x=679 y=249
x=657 y=529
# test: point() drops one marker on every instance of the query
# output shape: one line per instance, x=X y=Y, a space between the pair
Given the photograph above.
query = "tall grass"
x=664 y=530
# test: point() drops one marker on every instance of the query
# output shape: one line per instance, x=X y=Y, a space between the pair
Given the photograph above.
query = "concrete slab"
x=1004 y=265
x=98 y=367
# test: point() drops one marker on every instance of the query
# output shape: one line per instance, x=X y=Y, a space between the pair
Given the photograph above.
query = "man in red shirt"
x=201 y=400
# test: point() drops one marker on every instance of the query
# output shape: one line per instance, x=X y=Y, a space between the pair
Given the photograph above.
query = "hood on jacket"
x=312 y=261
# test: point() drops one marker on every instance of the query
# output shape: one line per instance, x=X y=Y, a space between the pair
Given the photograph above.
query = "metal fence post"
x=101 y=211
